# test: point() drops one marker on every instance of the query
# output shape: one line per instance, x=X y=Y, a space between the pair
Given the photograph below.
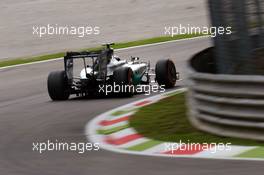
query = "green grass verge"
x=254 y=153
x=116 y=46
x=167 y=121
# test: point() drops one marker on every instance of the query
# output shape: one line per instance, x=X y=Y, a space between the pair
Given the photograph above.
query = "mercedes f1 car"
x=105 y=68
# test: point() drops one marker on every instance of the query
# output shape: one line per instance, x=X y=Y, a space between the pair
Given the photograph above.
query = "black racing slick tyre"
x=122 y=77
x=166 y=74
x=57 y=86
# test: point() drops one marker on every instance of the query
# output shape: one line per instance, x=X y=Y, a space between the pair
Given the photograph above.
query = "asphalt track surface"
x=119 y=20
x=27 y=115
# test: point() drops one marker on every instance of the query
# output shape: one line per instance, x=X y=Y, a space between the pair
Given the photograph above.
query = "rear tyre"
x=57 y=86
x=166 y=74
x=123 y=77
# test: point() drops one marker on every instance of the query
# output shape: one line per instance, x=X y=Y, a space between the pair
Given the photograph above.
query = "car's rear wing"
x=70 y=56
x=100 y=60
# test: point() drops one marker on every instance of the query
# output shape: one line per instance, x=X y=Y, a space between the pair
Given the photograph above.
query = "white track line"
x=165 y=42
x=122 y=49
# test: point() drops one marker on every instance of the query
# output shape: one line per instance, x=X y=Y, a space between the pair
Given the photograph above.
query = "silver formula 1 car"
x=105 y=68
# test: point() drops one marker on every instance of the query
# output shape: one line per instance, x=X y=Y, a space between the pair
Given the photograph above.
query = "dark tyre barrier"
x=226 y=105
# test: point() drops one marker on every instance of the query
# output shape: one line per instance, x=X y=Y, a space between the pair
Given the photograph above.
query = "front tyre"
x=57 y=86
x=166 y=74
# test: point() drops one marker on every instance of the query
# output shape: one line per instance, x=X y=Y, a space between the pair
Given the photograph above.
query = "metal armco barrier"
x=226 y=105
